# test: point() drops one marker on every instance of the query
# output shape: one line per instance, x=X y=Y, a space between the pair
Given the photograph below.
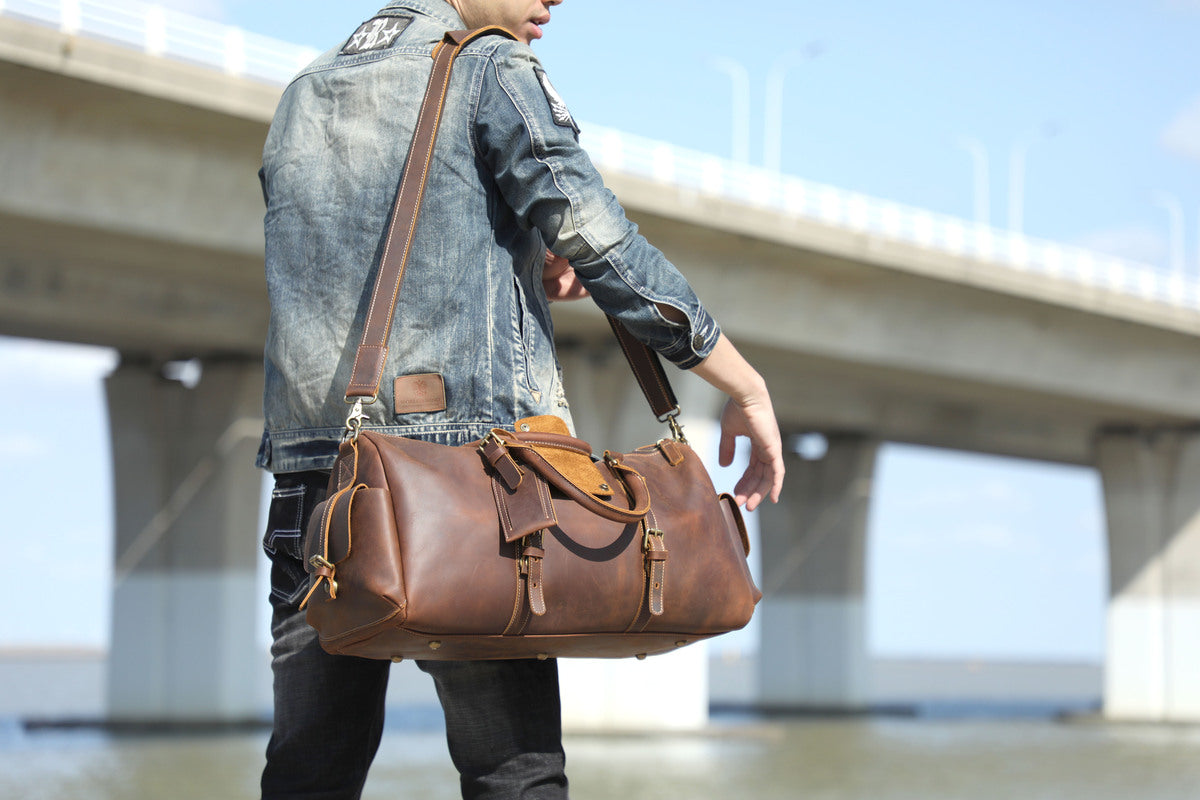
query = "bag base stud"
x=435 y=645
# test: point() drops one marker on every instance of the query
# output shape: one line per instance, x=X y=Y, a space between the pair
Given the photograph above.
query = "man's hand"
x=763 y=478
x=748 y=413
x=560 y=281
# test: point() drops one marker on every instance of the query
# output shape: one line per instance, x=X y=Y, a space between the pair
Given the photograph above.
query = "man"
x=507 y=183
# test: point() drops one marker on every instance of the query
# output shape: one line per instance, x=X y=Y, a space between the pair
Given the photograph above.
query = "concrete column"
x=612 y=695
x=1152 y=498
x=812 y=617
x=187 y=513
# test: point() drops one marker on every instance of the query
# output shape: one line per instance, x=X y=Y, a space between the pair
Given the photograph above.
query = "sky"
x=969 y=555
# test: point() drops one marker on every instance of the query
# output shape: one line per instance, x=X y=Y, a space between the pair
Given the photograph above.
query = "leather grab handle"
x=635 y=485
x=631 y=479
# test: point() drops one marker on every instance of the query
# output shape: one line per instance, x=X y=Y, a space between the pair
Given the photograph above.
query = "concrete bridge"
x=130 y=217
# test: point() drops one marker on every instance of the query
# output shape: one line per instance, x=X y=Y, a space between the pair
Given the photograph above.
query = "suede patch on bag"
x=578 y=468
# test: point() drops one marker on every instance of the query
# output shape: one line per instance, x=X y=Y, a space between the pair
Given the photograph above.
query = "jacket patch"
x=417 y=394
x=376 y=34
x=558 y=108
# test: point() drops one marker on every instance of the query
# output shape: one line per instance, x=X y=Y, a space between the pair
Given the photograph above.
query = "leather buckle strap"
x=654 y=563
x=495 y=451
x=531 y=568
x=655 y=552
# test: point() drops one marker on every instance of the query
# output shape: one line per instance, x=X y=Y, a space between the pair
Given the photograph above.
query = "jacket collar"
x=438 y=9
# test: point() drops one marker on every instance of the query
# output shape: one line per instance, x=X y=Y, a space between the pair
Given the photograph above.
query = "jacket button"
x=697 y=342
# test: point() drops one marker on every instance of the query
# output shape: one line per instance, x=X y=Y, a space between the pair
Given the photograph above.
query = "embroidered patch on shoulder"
x=375 y=34
x=558 y=108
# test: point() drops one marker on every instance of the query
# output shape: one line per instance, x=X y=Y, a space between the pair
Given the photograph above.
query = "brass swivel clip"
x=354 y=422
x=677 y=430
x=672 y=419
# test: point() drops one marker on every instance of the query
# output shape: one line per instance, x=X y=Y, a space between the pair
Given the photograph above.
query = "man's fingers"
x=727 y=448
x=762 y=479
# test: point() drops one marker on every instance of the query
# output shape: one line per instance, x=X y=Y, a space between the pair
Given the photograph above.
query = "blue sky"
x=969 y=555
x=1105 y=93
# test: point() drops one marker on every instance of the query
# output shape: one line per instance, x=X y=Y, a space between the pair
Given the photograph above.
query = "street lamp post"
x=1017 y=156
x=1016 y=185
x=739 y=76
x=1174 y=210
x=773 y=115
x=983 y=188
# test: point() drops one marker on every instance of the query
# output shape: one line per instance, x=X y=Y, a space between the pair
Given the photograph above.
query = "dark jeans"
x=503 y=721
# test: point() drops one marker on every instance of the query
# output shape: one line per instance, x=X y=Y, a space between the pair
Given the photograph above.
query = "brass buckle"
x=655 y=532
x=491 y=438
x=319 y=561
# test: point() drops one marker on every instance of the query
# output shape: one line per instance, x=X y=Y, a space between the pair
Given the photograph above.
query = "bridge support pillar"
x=1152 y=498
x=611 y=695
x=812 y=618
x=187 y=508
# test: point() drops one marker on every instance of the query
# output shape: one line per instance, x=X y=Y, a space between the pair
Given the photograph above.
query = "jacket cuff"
x=693 y=345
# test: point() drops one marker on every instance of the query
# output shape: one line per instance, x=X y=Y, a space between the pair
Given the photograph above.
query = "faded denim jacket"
x=508 y=180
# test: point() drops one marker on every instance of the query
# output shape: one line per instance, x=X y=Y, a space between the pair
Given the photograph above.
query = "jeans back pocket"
x=292 y=502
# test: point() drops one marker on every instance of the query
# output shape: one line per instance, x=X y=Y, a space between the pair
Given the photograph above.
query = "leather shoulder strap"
x=648 y=370
x=372 y=352
x=371 y=356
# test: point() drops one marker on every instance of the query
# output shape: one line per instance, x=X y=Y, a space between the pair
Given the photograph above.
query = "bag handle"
x=371 y=356
x=500 y=443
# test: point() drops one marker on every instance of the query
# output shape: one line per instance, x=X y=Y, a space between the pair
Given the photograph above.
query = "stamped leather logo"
x=420 y=394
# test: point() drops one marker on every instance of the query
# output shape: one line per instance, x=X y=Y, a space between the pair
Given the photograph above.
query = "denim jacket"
x=508 y=180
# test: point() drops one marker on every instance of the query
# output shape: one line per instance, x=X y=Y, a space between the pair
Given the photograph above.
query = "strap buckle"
x=324 y=565
x=492 y=440
x=655 y=532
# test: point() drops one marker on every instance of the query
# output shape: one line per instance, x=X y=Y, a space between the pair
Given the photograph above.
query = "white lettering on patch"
x=375 y=34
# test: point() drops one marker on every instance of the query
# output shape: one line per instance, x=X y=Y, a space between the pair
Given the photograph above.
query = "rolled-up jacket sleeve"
x=551 y=185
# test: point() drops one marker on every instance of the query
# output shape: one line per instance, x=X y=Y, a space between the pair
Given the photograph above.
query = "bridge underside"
x=137 y=294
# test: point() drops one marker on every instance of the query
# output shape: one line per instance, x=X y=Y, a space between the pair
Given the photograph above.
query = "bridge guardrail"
x=171 y=34
x=163 y=32
x=755 y=186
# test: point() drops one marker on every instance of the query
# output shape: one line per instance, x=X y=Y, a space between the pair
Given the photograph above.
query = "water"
x=817 y=759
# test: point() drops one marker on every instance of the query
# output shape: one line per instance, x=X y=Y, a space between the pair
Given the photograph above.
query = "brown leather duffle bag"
x=524 y=544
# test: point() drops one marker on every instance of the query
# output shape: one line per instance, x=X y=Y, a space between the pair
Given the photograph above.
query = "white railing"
x=168 y=33
x=183 y=37
x=708 y=174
